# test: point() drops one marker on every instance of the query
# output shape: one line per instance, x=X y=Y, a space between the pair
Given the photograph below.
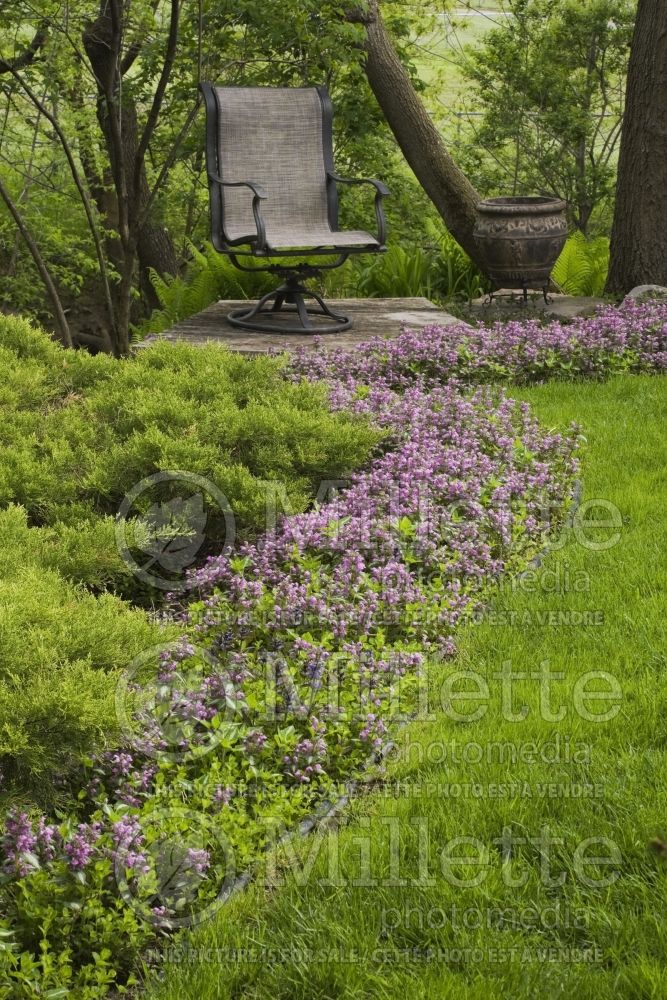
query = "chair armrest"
x=381 y=188
x=258 y=194
x=381 y=191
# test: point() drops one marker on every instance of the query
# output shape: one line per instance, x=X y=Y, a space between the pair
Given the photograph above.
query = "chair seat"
x=316 y=237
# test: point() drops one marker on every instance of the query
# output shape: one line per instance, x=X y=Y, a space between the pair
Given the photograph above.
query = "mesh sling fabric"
x=273 y=137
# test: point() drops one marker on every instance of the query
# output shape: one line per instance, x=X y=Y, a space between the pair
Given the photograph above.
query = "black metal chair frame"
x=290 y=295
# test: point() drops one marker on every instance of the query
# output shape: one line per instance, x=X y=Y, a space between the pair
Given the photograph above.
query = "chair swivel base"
x=273 y=312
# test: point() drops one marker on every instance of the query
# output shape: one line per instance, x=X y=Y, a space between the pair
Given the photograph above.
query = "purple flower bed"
x=632 y=337
x=301 y=649
x=467 y=487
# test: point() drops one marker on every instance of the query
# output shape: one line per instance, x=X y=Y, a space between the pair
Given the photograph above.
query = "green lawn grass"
x=368 y=910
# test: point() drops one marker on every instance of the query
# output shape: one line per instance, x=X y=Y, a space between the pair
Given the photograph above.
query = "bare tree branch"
x=158 y=97
x=169 y=160
x=28 y=54
x=135 y=47
x=58 y=311
x=80 y=186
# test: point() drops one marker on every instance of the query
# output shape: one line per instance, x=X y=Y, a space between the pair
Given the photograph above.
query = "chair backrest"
x=280 y=138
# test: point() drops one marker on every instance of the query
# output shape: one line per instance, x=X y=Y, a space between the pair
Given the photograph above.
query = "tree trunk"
x=156 y=250
x=420 y=141
x=155 y=247
x=146 y=243
x=639 y=238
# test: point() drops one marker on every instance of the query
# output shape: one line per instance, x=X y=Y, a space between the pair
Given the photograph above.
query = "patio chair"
x=273 y=193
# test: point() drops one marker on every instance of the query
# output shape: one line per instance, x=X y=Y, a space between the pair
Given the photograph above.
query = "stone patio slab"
x=371 y=318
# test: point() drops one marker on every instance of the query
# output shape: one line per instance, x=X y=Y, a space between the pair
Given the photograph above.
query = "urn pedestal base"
x=496 y=293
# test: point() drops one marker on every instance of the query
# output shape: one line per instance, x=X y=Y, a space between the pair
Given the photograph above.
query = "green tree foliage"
x=550 y=79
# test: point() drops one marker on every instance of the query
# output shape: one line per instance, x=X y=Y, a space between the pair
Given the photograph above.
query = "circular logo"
x=164 y=522
x=174 y=702
x=175 y=868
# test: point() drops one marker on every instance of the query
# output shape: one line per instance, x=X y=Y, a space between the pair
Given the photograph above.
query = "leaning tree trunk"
x=421 y=143
x=639 y=237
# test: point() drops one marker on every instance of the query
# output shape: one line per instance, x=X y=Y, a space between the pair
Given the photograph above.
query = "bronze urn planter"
x=519 y=240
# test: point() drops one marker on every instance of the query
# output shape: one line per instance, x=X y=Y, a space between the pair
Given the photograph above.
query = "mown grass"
x=329 y=920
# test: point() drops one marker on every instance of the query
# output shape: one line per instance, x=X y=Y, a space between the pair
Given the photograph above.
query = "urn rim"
x=522 y=205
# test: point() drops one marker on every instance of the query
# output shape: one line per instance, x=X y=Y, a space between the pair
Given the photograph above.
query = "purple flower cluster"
x=24 y=847
x=18 y=843
x=457 y=460
x=373 y=731
x=128 y=839
x=198 y=860
x=80 y=847
x=223 y=795
x=306 y=759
